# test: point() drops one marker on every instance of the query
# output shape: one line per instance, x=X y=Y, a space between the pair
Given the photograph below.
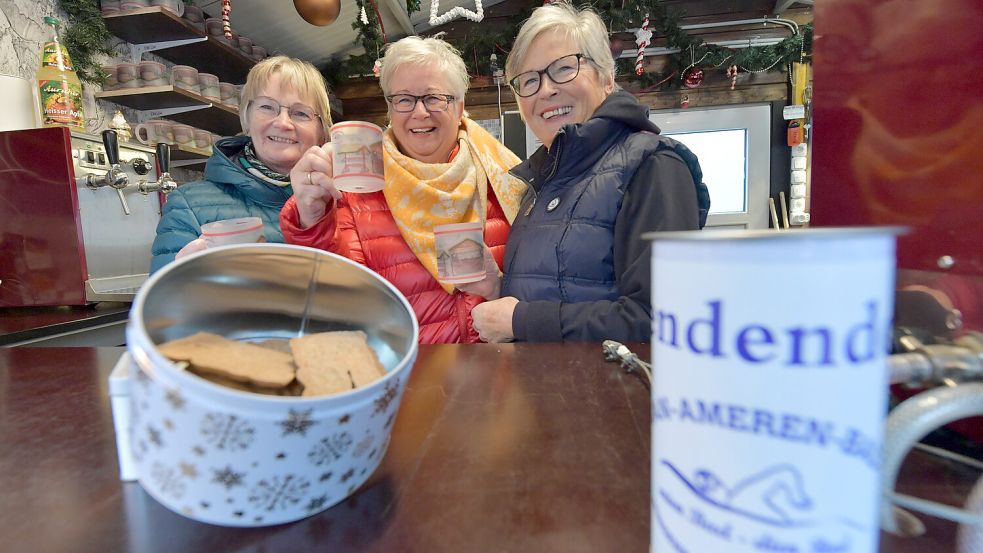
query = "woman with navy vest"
x=576 y=266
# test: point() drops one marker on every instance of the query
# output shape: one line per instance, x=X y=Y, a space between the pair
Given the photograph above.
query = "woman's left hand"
x=493 y=319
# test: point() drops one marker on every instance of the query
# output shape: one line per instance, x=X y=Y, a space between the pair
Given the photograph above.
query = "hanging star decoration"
x=642 y=38
x=457 y=11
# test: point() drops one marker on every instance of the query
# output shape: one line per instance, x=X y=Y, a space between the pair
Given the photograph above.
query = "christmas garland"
x=480 y=42
x=85 y=35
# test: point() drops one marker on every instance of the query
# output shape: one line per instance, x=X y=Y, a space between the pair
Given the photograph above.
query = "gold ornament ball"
x=318 y=12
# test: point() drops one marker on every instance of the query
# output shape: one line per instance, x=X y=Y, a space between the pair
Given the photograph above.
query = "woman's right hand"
x=313 y=184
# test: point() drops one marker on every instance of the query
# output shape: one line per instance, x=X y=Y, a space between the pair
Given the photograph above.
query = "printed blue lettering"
x=735 y=420
x=713 y=325
x=663 y=318
x=863 y=331
x=744 y=340
x=763 y=418
x=796 y=346
x=769 y=543
x=798 y=336
x=717 y=529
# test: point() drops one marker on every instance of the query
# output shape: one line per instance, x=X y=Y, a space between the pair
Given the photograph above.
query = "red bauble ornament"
x=693 y=77
x=617 y=47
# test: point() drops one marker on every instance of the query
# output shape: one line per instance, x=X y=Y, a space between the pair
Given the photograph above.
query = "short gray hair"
x=433 y=51
x=584 y=26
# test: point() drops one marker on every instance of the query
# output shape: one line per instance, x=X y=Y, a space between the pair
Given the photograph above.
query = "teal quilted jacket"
x=227 y=191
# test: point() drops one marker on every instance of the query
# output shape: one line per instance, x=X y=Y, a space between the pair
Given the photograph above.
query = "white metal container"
x=769 y=389
x=222 y=456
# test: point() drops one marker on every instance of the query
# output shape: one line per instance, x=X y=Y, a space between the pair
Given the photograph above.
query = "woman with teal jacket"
x=284 y=111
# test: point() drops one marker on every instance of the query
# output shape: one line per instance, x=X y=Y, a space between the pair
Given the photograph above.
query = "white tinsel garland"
x=457 y=11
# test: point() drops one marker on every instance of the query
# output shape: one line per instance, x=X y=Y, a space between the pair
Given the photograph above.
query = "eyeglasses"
x=405 y=103
x=267 y=109
x=561 y=70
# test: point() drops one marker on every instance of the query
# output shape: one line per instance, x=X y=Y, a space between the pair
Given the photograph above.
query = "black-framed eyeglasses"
x=561 y=70
x=267 y=109
x=405 y=103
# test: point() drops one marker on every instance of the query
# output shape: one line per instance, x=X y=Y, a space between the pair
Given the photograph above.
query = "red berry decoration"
x=693 y=77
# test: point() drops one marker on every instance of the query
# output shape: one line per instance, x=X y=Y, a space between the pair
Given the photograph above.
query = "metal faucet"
x=164 y=182
x=114 y=177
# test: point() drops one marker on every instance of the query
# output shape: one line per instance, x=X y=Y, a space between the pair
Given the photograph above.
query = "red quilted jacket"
x=362 y=229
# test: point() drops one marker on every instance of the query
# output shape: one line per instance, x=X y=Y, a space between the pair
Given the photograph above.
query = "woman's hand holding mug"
x=313 y=184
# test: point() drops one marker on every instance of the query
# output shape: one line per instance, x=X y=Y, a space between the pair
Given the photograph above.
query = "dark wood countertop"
x=496 y=448
x=26 y=323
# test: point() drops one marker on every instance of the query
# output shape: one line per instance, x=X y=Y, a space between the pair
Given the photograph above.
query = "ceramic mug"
x=184 y=135
x=214 y=26
x=154 y=131
x=258 y=52
x=228 y=94
x=209 y=86
x=246 y=45
x=111 y=73
x=356 y=154
x=186 y=77
x=203 y=139
x=153 y=73
x=174 y=6
x=128 y=75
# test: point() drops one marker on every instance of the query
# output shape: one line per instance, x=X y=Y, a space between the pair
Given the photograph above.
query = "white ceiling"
x=276 y=26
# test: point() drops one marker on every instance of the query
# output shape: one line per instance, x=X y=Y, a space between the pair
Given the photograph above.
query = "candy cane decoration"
x=732 y=73
x=226 y=26
x=642 y=38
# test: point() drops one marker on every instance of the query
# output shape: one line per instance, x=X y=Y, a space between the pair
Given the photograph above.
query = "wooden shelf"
x=155 y=24
x=188 y=156
x=215 y=117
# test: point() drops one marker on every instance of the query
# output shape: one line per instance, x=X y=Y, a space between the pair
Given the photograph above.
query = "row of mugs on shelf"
x=155 y=131
x=109 y=7
x=196 y=17
x=154 y=73
x=213 y=25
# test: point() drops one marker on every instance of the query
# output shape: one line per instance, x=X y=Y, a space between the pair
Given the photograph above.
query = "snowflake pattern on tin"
x=297 y=422
x=382 y=402
x=330 y=449
x=277 y=493
x=168 y=480
x=227 y=432
x=362 y=446
x=176 y=400
x=316 y=504
x=228 y=477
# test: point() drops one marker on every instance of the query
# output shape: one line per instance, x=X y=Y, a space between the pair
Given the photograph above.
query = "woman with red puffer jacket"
x=440 y=168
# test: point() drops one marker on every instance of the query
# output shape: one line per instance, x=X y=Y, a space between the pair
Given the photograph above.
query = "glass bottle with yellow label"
x=59 y=88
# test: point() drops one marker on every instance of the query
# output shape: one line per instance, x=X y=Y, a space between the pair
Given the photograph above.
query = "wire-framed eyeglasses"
x=267 y=109
x=405 y=103
x=561 y=70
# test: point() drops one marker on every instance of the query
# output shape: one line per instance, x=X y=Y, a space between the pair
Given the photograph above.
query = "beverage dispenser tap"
x=164 y=182
x=114 y=177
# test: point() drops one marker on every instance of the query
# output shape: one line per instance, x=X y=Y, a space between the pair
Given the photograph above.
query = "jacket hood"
x=580 y=145
x=224 y=169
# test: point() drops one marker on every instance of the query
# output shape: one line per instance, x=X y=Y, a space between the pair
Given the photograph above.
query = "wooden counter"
x=99 y=324
x=525 y=448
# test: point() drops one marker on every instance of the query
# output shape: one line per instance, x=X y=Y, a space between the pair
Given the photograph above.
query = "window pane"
x=723 y=158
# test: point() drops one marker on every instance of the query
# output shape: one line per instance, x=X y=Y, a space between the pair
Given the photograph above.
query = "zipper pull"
x=531 y=205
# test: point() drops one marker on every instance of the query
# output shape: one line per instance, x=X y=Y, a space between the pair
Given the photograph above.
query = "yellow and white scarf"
x=421 y=195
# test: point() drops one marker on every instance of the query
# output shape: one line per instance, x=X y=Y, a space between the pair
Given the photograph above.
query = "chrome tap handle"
x=115 y=177
x=122 y=200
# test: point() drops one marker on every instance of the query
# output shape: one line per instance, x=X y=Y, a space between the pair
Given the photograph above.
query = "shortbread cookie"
x=239 y=361
x=331 y=362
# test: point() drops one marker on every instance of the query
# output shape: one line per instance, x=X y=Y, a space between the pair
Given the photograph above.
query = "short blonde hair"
x=584 y=26
x=432 y=52
x=297 y=74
